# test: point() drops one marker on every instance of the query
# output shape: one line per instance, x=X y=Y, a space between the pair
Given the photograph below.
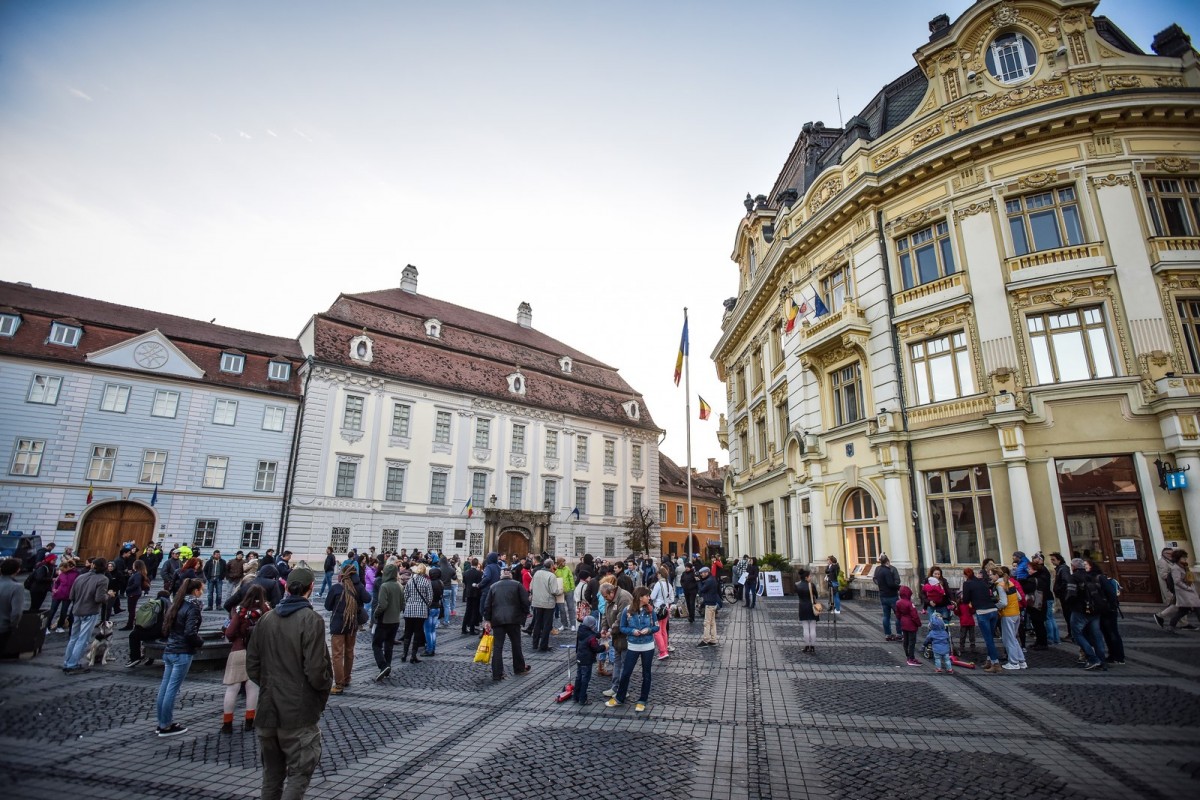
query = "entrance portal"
x=112 y=524
x=513 y=542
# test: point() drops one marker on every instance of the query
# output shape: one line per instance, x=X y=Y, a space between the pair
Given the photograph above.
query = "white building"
x=413 y=406
x=122 y=402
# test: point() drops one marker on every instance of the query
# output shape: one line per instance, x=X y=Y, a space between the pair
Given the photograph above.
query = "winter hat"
x=590 y=621
x=301 y=575
x=1076 y=563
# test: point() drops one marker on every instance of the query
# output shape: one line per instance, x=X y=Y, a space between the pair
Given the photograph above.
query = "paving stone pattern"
x=751 y=719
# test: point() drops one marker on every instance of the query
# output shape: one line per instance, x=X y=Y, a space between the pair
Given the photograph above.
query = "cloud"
x=244 y=135
x=77 y=93
x=218 y=138
x=301 y=134
x=272 y=133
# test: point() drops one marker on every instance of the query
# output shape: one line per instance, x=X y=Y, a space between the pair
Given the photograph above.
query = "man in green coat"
x=288 y=659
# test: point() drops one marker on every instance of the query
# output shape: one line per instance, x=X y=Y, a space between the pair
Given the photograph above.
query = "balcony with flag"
x=832 y=329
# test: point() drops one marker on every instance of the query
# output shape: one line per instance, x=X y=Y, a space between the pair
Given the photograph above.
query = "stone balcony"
x=1071 y=257
x=1175 y=248
x=831 y=329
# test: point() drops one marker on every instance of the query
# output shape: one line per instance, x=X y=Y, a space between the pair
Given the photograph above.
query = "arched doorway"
x=111 y=524
x=513 y=542
x=861 y=522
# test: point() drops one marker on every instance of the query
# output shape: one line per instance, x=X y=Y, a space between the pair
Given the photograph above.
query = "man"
x=739 y=569
x=89 y=594
x=491 y=574
x=40 y=554
x=152 y=557
x=215 y=570
x=504 y=610
x=566 y=609
x=616 y=600
x=691 y=587
x=470 y=581
x=543 y=586
x=235 y=570
x=750 y=591
x=41 y=581
x=1163 y=565
x=173 y=565
x=1035 y=610
x=12 y=600
x=288 y=659
x=710 y=593
x=330 y=566
x=887 y=578
x=268 y=557
x=283 y=564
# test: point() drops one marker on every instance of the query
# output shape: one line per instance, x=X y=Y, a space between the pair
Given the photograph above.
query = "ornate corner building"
x=995 y=268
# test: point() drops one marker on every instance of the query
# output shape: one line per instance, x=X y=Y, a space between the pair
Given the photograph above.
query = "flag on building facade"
x=705 y=408
x=793 y=310
x=154 y=497
x=91 y=494
x=683 y=351
x=819 y=306
x=469 y=507
x=574 y=513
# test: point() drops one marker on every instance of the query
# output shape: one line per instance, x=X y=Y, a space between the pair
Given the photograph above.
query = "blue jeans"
x=631 y=659
x=618 y=664
x=836 y=596
x=889 y=610
x=175 y=668
x=326 y=584
x=81 y=635
x=941 y=661
x=987 y=624
x=449 y=602
x=214 y=587
x=1052 y=634
x=1086 y=631
x=431 y=624
x=750 y=592
x=583 y=677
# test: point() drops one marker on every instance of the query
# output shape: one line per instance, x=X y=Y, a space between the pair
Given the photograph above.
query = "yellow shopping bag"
x=483 y=653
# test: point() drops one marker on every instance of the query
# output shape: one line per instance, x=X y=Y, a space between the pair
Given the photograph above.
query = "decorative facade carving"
x=886 y=157
x=983 y=206
x=1172 y=164
x=1086 y=82
x=519 y=411
x=930 y=131
x=1110 y=180
x=1036 y=180
x=910 y=221
x=958 y=118
x=825 y=192
x=1173 y=81
x=1123 y=81
x=348 y=378
x=1022 y=95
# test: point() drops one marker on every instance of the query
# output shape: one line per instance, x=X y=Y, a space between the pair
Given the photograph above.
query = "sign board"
x=774 y=584
x=1176 y=480
x=1173 y=529
x=1129 y=549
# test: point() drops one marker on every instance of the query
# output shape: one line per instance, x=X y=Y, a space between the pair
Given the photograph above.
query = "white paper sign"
x=774 y=583
x=1129 y=548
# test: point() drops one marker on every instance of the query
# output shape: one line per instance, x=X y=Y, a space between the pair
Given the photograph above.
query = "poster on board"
x=774 y=583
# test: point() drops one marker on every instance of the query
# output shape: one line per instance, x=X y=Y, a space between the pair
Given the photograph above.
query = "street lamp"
x=492 y=501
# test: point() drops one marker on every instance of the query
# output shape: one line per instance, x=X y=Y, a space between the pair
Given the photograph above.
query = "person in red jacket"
x=910 y=623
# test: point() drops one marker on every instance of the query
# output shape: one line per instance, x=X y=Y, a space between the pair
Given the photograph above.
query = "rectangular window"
x=518 y=439
x=5 y=521
x=635 y=457
x=580 y=546
x=166 y=404
x=1070 y=345
x=610 y=547
x=695 y=512
x=926 y=255
x=9 y=324
x=483 y=434
x=27 y=457
x=847 y=394
x=610 y=453
x=251 y=535
x=264 y=476
x=708 y=515
x=273 y=417
x=394 y=491
x=1174 y=205
x=836 y=288
x=225 y=412
x=551 y=444
x=66 y=335
x=581 y=498
x=1189 y=324
x=433 y=542
x=352 y=416
x=44 y=389
x=1044 y=221
x=401 y=414
x=437 y=489
x=768 y=515
x=516 y=491
x=347 y=472
x=550 y=490
x=233 y=362
x=961 y=516
x=115 y=398
x=942 y=368
x=441 y=428
x=479 y=490
x=552 y=544
x=154 y=464
x=390 y=540
x=635 y=501
x=339 y=539
x=100 y=468
x=205 y=533
x=581 y=449
x=610 y=501
x=279 y=370
x=760 y=430
x=679 y=513
x=662 y=512
x=214 y=472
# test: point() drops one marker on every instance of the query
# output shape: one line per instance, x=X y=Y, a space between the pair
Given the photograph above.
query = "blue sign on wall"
x=1176 y=480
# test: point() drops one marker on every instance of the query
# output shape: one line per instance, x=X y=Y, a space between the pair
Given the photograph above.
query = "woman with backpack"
x=639 y=626
x=137 y=584
x=238 y=631
x=347 y=602
x=148 y=627
x=832 y=570
x=182 y=629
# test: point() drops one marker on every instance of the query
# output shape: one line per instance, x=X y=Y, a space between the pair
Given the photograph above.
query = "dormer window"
x=433 y=328
x=233 y=363
x=65 y=334
x=279 y=370
x=9 y=322
x=516 y=383
x=362 y=348
x=565 y=364
x=1011 y=58
x=632 y=409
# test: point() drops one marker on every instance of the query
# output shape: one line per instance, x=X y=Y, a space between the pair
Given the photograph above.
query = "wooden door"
x=109 y=526
x=513 y=543
x=1114 y=535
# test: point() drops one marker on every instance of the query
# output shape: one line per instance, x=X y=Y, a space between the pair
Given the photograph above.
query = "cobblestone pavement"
x=754 y=718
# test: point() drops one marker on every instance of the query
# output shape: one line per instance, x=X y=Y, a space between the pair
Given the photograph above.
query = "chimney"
x=408 y=279
x=1171 y=42
x=712 y=468
x=939 y=26
x=525 y=315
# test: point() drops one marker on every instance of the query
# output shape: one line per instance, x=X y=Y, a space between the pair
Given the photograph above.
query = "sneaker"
x=555 y=631
x=1095 y=665
x=1158 y=618
x=937 y=670
x=1022 y=665
x=837 y=611
x=1191 y=627
x=574 y=627
x=335 y=689
x=640 y=707
x=1017 y=666
x=664 y=656
x=949 y=672
x=612 y=702
x=383 y=673
x=174 y=729
x=133 y=662
x=609 y=693
x=912 y=662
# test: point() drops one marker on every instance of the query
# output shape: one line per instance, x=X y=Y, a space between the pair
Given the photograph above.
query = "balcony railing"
x=971 y=406
x=1172 y=248
x=926 y=289
x=1055 y=256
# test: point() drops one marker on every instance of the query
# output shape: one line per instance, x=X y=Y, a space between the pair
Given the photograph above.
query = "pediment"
x=150 y=352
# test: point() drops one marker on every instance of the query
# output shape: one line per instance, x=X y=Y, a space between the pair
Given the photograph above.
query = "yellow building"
x=996 y=268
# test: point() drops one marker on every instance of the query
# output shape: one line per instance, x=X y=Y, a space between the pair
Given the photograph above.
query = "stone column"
x=896 y=509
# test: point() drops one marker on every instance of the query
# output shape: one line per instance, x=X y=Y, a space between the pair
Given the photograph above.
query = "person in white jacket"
x=662 y=596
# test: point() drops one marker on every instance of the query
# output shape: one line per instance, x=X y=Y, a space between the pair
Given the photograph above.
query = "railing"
x=1173 y=244
x=926 y=289
x=954 y=408
x=849 y=310
x=1055 y=256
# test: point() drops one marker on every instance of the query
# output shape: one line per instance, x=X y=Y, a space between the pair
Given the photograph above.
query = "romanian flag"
x=705 y=408
x=91 y=494
x=793 y=310
x=469 y=507
x=683 y=351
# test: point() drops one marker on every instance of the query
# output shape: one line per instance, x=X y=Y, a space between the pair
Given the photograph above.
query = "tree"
x=640 y=530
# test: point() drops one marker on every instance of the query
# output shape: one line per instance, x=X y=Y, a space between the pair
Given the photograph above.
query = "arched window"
x=860 y=518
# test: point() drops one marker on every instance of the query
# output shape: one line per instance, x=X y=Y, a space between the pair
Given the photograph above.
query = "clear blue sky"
x=249 y=161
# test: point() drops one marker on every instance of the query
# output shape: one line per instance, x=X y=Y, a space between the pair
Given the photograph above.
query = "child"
x=966 y=621
x=587 y=645
x=940 y=638
x=910 y=623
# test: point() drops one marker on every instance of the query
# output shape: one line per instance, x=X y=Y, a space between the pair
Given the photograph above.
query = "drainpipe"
x=284 y=513
x=897 y=354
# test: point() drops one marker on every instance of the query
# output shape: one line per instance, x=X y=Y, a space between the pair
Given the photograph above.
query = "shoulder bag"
x=817 y=607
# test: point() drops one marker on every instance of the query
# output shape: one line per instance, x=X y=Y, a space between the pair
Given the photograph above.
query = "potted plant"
x=774 y=562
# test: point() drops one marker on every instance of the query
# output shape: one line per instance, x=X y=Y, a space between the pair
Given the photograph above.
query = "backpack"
x=149 y=615
x=1094 y=599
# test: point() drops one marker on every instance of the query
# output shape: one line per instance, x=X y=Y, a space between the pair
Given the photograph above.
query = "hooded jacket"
x=1022 y=570
x=389 y=605
x=938 y=636
x=436 y=584
x=288 y=658
x=621 y=601
x=587 y=645
x=268 y=578
x=184 y=636
x=910 y=618
x=491 y=574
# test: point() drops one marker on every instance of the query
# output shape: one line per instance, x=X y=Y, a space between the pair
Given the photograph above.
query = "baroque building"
x=431 y=426
x=178 y=430
x=705 y=534
x=996 y=271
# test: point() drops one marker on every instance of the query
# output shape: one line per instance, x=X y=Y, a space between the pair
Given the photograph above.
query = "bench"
x=214 y=652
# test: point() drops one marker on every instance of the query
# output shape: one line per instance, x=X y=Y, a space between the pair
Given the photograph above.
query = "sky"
x=248 y=162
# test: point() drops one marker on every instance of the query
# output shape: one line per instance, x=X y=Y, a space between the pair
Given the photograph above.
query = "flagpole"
x=687 y=387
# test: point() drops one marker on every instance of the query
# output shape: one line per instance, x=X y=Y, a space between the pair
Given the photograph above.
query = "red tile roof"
x=672 y=479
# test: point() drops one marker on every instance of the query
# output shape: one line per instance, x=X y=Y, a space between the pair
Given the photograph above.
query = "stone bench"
x=214 y=652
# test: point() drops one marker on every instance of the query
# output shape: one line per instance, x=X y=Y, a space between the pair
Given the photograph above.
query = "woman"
x=808 y=595
x=1061 y=577
x=347 y=601
x=977 y=593
x=253 y=606
x=1010 y=617
x=370 y=574
x=1187 y=599
x=935 y=594
x=1110 y=626
x=832 y=568
x=114 y=590
x=638 y=624
x=137 y=584
x=661 y=598
x=418 y=594
x=182 y=629
x=60 y=594
x=437 y=590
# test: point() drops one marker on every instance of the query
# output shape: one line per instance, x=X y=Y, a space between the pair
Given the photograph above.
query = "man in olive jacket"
x=617 y=600
x=288 y=659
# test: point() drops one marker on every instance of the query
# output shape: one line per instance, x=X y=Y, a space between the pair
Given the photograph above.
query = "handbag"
x=483 y=653
x=817 y=607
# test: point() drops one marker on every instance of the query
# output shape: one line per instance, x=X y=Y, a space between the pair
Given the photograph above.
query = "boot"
x=404 y=655
x=227 y=727
x=248 y=725
x=414 y=658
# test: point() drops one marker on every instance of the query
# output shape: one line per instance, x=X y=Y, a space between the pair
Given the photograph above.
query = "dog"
x=97 y=651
